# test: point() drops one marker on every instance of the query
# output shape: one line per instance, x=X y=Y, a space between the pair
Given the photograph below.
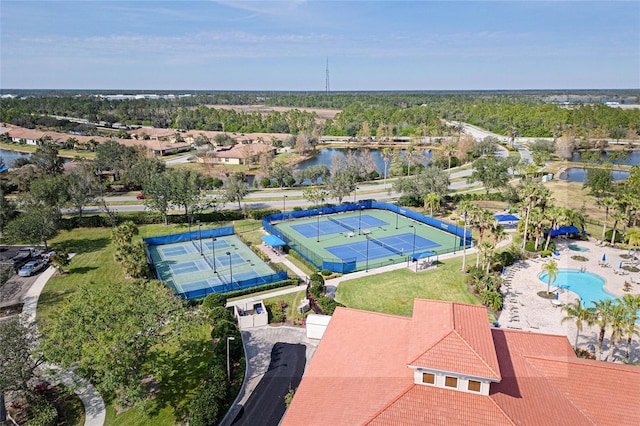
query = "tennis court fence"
x=350 y=265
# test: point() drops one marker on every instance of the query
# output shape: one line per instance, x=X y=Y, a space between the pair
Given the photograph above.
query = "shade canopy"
x=273 y=241
x=422 y=255
x=506 y=218
x=563 y=230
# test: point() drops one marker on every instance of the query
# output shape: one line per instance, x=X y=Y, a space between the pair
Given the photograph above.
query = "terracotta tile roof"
x=606 y=393
x=243 y=150
x=359 y=374
x=423 y=405
x=465 y=345
x=359 y=366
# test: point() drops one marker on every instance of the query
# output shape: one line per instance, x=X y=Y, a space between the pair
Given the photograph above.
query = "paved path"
x=94 y=407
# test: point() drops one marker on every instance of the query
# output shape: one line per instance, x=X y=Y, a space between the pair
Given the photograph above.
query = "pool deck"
x=525 y=310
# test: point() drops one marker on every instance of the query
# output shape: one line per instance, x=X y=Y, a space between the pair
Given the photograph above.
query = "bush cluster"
x=142 y=218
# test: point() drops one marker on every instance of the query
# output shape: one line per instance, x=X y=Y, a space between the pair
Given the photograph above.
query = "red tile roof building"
x=446 y=365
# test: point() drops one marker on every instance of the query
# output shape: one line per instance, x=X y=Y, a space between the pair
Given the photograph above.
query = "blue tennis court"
x=395 y=245
x=333 y=225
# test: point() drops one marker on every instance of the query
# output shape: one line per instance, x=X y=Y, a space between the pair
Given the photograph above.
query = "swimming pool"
x=575 y=247
x=585 y=284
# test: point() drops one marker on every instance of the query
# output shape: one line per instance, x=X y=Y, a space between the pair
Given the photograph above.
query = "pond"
x=10 y=157
x=326 y=155
x=578 y=174
x=629 y=158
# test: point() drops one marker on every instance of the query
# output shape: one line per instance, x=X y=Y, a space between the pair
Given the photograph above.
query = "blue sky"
x=283 y=45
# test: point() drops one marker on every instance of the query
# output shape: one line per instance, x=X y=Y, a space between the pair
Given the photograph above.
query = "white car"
x=31 y=268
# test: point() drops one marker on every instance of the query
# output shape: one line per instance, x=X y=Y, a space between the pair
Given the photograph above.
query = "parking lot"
x=13 y=291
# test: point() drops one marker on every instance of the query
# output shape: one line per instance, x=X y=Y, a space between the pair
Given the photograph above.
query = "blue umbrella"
x=604 y=257
x=620 y=265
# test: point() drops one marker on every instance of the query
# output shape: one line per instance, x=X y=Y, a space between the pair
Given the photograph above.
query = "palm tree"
x=619 y=318
x=602 y=314
x=482 y=219
x=551 y=268
x=450 y=149
x=608 y=203
x=538 y=220
x=410 y=150
x=532 y=194
x=431 y=201
x=386 y=155
x=617 y=217
x=464 y=208
x=575 y=311
x=497 y=233
x=632 y=305
x=555 y=215
x=633 y=239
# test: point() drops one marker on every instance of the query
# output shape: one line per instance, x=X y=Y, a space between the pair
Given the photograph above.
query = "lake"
x=325 y=157
x=632 y=158
x=577 y=174
x=10 y=156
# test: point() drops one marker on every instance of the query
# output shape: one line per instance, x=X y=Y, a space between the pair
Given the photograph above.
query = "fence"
x=349 y=265
x=237 y=285
x=188 y=236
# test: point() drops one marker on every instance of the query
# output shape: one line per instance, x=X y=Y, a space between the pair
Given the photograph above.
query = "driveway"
x=267 y=375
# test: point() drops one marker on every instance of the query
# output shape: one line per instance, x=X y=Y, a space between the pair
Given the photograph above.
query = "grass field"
x=393 y=292
x=184 y=362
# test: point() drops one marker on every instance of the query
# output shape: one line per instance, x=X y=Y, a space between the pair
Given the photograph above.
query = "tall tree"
x=186 y=190
x=82 y=187
x=37 y=224
x=608 y=203
x=47 y=161
x=109 y=333
x=602 y=314
x=236 y=189
x=551 y=268
x=158 y=195
x=581 y=315
x=386 y=156
x=465 y=207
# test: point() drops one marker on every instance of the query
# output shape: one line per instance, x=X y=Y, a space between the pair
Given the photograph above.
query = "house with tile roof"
x=447 y=365
x=241 y=153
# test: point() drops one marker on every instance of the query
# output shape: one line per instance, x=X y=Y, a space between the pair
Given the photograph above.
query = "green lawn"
x=184 y=362
x=292 y=300
x=393 y=292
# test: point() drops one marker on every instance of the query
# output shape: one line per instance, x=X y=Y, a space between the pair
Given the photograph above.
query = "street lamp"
x=284 y=205
x=360 y=221
x=318 y=226
x=200 y=235
x=228 y=363
x=413 y=252
x=230 y=271
x=355 y=195
x=213 y=245
x=366 y=268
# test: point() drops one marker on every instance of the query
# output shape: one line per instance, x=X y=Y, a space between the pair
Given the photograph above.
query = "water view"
x=578 y=174
x=10 y=157
x=325 y=157
x=628 y=158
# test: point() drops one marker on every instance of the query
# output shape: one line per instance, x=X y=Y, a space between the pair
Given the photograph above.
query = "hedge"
x=144 y=218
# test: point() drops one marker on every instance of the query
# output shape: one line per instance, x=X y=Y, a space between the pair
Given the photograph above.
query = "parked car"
x=31 y=268
x=140 y=196
x=23 y=256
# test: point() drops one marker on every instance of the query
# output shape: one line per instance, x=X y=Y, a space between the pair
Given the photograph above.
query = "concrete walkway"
x=94 y=407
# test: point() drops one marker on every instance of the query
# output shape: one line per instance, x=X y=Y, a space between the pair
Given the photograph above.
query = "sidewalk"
x=95 y=412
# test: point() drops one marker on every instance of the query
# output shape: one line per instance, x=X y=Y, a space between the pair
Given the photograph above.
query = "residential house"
x=239 y=153
x=446 y=365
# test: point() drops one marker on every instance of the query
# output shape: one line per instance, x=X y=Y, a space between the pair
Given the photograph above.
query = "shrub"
x=316 y=278
x=220 y=313
x=328 y=305
x=42 y=413
x=316 y=290
x=545 y=253
x=275 y=312
x=607 y=236
x=214 y=300
x=505 y=258
x=260 y=214
x=325 y=272
x=265 y=182
x=207 y=408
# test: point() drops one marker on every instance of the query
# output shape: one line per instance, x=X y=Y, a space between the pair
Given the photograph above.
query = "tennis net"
x=387 y=246
x=344 y=225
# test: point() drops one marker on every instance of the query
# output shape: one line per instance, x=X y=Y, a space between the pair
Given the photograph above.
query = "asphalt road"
x=266 y=405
